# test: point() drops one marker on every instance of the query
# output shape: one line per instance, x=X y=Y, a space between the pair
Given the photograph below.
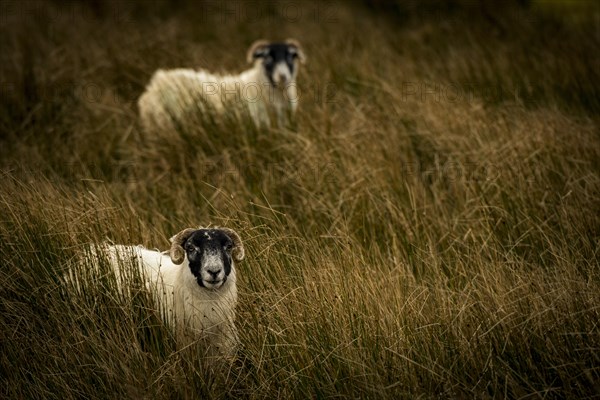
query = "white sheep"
x=194 y=283
x=269 y=87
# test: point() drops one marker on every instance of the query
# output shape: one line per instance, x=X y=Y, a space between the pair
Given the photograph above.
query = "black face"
x=278 y=54
x=209 y=256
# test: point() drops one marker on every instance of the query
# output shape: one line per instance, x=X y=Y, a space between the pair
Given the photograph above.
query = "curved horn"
x=238 y=248
x=176 y=252
x=296 y=44
x=256 y=50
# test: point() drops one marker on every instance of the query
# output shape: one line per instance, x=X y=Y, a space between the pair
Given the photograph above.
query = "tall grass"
x=429 y=227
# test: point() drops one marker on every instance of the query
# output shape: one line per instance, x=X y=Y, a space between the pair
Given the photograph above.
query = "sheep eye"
x=268 y=59
x=228 y=247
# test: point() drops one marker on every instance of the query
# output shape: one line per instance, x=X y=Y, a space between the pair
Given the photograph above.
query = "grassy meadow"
x=429 y=227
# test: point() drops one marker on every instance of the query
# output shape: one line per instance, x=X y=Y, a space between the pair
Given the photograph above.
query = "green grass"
x=429 y=228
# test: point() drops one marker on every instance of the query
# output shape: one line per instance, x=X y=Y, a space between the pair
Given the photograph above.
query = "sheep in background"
x=269 y=87
x=194 y=283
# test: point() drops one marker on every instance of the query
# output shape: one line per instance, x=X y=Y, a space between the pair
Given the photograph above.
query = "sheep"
x=172 y=96
x=194 y=282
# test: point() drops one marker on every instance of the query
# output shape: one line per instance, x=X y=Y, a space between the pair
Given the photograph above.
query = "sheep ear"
x=176 y=252
x=238 y=248
x=293 y=43
x=258 y=49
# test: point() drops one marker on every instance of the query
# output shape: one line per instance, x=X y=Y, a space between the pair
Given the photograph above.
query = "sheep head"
x=278 y=61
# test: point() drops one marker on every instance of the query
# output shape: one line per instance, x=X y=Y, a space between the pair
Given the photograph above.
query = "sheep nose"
x=214 y=274
x=279 y=78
